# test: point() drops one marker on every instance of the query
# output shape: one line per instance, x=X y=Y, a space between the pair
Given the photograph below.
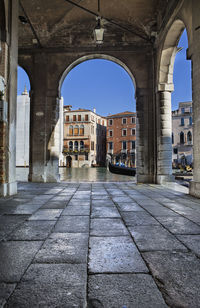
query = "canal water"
x=80 y=175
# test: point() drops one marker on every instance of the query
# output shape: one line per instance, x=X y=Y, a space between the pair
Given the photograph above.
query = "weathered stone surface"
x=107 y=227
x=102 y=211
x=138 y=219
x=9 y=222
x=192 y=242
x=51 y=285
x=179 y=225
x=72 y=224
x=15 y=258
x=46 y=214
x=155 y=238
x=102 y=203
x=26 y=209
x=125 y=290
x=73 y=202
x=129 y=207
x=6 y=290
x=64 y=248
x=77 y=210
x=114 y=254
x=54 y=205
x=159 y=210
x=32 y=231
x=177 y=275
x=122 y=199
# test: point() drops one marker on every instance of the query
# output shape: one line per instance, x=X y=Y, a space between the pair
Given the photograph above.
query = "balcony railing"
x=73 y=151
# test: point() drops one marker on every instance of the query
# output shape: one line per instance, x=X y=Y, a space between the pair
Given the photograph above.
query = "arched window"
x=71 y=145
x=76 y=130
x=189 y=137
x=172 y=138
x=182 y=141
x=81 y=145
x=76 y=145
x=82 y=130
x=71 y=130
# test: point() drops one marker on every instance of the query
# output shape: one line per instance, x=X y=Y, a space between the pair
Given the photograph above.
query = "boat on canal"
x=122 y=170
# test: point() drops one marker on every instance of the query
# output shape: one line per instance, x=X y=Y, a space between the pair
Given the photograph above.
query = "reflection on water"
x=80 y=175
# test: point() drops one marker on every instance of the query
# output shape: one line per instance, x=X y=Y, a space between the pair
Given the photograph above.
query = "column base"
x=162 y=179
x=8 y=189
x=44 y=178
x=194 y=189
x=144 y=178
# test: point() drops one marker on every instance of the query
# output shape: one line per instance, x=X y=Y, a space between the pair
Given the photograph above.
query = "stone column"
x=195 y=51
x=144 y=137
x=164 y=134
x=44 y=129
x=8 y=72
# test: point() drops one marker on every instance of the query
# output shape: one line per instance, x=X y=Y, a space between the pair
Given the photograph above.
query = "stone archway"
x=164 y=89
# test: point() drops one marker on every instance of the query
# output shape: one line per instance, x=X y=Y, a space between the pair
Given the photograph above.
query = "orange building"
x=121 y=138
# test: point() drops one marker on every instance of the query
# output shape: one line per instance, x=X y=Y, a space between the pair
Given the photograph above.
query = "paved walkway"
x=110 y=245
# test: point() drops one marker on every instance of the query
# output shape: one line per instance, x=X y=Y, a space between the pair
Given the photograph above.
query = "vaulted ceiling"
x=62 y=24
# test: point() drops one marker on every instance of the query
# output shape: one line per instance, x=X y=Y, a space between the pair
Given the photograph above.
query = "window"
x=71 y=146
x=92 y=130
x=82 y=130
x=190 y=109
x=124 y=121
x=123 y=132
x=189 y=137
x=76 y=156
x=110 y=122
x=133 y=120
x=133 y=145
x=110 y=133
x=172 y=138
x=190 y=120
x=74 y=117
x=175 y=151
x=76 y=145
x=110 y=145
x=92 y=145
x=103 y=122
x=67 y=118
x=81 y=145
x=86 y=117
x=133 y=159
x=99 y=122
x=71 y=130
x=133 y=132
x=182 y=110
x=76 y=130
x=79 y=117
x=182 y=138
x=182 y=121
x=86 y=156
x=123 y=145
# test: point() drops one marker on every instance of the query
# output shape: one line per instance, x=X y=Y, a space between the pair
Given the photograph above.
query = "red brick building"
x=121 y=138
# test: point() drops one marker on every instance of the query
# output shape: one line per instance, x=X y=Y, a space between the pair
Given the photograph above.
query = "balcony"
x=74 y=137
x=68 y=151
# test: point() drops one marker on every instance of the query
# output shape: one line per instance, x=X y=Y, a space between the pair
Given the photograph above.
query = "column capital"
x=168 y=87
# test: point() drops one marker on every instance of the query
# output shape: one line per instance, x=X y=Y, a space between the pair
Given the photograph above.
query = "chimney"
x=68 y=107
x=94 y=110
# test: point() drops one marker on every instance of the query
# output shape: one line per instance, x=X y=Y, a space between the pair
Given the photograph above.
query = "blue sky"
x=106 y=86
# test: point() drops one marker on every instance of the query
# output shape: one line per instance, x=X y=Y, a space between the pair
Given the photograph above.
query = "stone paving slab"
x=177 y=275
x=26 y=209
x=129 y=207
x=179 y=225
x=158 y=210
x=107 y=227
x=150 y=238
x=73 y=202
x=64 y=248
x=114 y=254
x=107 y=203
x=125 y=290
x=72 y=224
x=46 y=214
x=192 y=242
x=51 y=285
x=54 y=205
x=77 y=210
x=8 y=223
x=101 y=211
x=6 y=290
x=138 y=218
x=32 y=230
x=15 y=258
